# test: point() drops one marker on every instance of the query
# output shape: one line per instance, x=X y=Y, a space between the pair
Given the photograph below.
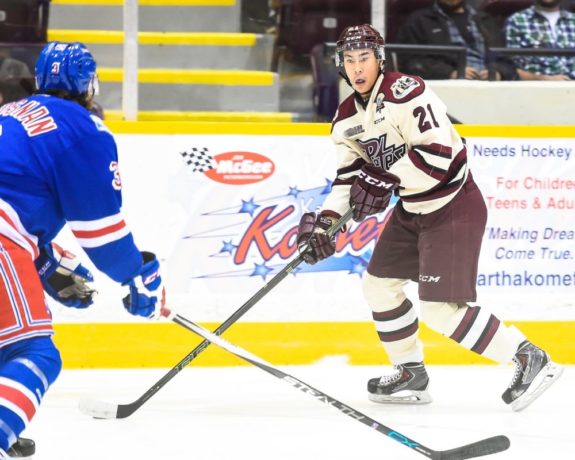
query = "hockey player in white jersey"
x=393 y=136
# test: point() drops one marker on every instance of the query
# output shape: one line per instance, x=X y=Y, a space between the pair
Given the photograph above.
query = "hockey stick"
x=477 y=449
x=105 y=410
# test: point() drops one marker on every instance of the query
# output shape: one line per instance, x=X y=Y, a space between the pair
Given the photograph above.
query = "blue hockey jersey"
x=59 y=164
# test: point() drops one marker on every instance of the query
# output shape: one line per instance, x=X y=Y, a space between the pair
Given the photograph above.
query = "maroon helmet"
x=359 y=37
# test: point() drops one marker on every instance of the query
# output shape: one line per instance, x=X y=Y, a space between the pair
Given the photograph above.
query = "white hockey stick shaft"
x=484 y=447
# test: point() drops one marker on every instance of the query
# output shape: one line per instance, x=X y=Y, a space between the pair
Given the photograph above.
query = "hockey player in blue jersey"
x=58 y=165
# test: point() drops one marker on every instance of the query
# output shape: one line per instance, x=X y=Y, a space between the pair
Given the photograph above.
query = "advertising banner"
x=527 y=264
x=221 y=212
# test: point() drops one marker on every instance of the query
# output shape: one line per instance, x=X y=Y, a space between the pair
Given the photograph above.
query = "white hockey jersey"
x=404 y=129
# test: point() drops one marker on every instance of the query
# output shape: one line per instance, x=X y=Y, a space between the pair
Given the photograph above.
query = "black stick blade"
x=477 y=449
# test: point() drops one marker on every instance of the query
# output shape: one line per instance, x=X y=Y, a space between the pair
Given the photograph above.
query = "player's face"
x=362 y=69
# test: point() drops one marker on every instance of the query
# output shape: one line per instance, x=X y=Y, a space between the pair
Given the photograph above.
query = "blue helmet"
x=66 y=66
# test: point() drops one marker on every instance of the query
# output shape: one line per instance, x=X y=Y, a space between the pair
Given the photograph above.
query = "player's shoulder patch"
x=345 y=110
x=399 y=87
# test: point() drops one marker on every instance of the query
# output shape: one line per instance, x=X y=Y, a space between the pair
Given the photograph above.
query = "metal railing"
x=393 y=50
x=495 y=52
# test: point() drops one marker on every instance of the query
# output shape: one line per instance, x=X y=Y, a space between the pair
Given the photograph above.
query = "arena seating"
x=302 y=24
x=397 y=11
x=326 y=78
x=23 y=21
x=502 y=9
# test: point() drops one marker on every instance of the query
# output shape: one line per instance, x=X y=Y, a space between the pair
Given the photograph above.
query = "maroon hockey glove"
x=312 y=240
x=371 y=191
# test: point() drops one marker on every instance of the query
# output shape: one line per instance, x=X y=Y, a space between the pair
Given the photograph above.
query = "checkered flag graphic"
x=198 y=159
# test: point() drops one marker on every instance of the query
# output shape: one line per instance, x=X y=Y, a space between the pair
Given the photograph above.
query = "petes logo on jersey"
x=403 y=86
x=382 y=155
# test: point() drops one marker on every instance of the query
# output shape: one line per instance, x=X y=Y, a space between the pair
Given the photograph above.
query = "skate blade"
x=402 y=397
x=546 y=377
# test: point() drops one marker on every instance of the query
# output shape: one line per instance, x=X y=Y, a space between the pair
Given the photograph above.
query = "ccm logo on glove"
x=377 y=182
x=371 y=191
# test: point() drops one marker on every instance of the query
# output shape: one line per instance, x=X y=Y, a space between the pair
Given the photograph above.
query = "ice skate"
x=408 y=385
x=534 y=373
x=22 y=448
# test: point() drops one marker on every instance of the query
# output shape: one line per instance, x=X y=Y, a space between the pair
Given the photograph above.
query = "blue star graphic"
x=261 y=270
x=228 y=247
x=249 y=207
x=296 y=270
x=294 y=191
x=357 y=268
x=327 y=187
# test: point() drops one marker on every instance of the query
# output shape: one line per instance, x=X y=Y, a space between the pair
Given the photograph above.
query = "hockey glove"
x=147 y=295
x=371 y=191
x=64 y=278
x=312 y=240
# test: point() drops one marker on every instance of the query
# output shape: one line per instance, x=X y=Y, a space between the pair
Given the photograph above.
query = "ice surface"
x=244 y=413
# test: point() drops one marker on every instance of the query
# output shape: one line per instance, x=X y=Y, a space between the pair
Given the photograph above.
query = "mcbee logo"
x=239 y=168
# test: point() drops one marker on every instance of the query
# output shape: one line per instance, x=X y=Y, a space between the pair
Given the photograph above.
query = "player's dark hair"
x=81 y=99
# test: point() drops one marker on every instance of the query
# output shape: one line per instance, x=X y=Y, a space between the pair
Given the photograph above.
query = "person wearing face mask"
x=453 y=23
x=543 y=25
x=393 y=139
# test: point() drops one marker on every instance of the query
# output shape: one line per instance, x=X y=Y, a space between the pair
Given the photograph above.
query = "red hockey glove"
x=371 y=191
x=312 y=240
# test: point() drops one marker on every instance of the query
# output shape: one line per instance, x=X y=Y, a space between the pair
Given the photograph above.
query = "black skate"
x=22 y=448
x=408 y=385
x=534 y=373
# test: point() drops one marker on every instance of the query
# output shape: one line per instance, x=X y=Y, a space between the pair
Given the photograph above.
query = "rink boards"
x=219 y=204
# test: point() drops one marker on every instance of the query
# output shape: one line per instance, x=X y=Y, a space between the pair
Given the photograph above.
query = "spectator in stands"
x=11 y=68
x=543 y=25
x=15 y=78
x=455 y=23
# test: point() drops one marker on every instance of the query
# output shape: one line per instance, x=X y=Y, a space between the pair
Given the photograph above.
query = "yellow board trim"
x=513 y=131
x=192 y=76
x=323 y=129
x=184 y=127
x=147 y=2
x=226 y=117
x=135 y=345
x=116 y=37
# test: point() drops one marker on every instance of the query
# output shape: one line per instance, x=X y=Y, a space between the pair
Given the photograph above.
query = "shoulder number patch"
x=117 y=181
x=403 y=86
